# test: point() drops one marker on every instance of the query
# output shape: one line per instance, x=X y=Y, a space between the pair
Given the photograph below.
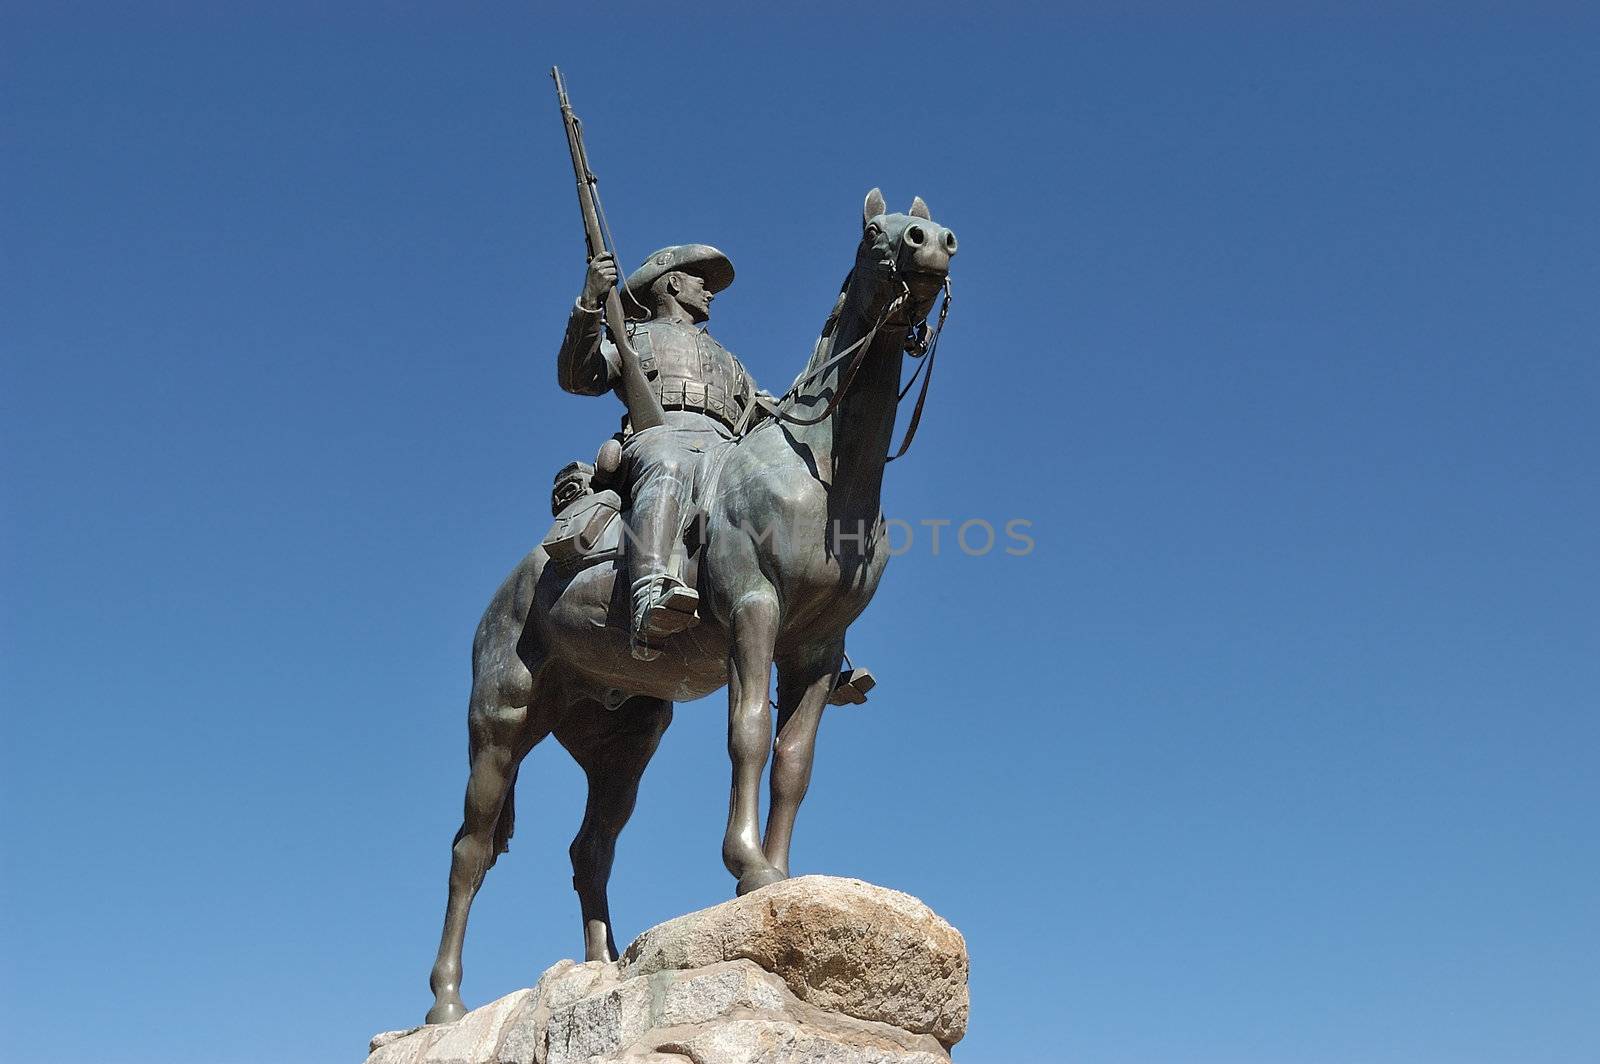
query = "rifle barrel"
x=644 y=408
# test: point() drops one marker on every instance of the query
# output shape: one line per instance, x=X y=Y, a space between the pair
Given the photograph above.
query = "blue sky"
x=1281 y=329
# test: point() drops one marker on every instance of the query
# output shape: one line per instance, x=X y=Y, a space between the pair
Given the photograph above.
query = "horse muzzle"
x=930 y=248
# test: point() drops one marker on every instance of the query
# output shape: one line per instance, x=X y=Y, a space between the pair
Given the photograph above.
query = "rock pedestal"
x=816 y=970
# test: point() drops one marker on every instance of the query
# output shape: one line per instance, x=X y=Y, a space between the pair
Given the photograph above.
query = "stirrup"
x=851 y=688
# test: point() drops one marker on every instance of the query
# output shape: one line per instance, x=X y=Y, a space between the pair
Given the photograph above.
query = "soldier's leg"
x=661 y=469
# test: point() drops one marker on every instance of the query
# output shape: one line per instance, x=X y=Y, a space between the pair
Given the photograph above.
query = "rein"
x=859 y=349
x=930 y=348
x=927 y=346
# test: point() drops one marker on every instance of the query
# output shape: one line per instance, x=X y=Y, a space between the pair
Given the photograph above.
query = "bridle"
x=922 y=343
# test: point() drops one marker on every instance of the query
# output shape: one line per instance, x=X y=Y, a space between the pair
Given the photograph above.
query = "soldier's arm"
x=588 y=364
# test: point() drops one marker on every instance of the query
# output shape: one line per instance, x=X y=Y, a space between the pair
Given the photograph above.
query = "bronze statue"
x=785 y=551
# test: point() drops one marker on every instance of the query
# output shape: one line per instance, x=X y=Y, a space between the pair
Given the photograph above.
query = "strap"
x=927 y=378
x=756 y=401
x=708 y=491
x=859 y=349
x=833 y=360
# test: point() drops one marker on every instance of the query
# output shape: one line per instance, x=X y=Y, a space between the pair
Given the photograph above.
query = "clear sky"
x=1281 y=328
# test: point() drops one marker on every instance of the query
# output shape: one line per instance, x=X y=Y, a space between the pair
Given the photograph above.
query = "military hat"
x=703 y=260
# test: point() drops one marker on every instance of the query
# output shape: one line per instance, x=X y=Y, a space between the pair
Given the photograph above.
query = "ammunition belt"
x=714 y=401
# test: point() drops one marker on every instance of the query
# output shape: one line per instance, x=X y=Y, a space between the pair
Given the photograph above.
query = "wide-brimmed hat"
x=703 y=260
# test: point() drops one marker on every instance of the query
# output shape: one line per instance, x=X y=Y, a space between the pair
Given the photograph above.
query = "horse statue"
x=789 y=548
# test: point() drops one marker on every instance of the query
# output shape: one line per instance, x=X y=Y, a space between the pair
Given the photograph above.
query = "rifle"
x=644 y=409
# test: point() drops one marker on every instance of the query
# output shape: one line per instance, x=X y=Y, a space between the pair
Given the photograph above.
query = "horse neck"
x=850 y=446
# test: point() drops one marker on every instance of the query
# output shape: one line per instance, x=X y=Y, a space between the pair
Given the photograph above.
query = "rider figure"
x=703 y=390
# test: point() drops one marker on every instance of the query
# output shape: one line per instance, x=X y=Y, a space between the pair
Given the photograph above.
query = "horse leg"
x=613 y=749
x=753 y=627
x=803 y=689
x=499 y=738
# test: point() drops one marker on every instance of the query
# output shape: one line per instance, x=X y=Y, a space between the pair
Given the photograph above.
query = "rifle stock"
x=644 y=409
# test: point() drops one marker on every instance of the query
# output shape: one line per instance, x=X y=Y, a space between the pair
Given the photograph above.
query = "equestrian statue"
x=723 y=531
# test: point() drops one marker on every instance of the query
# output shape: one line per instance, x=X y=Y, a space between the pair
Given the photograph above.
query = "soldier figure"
x=704 y=391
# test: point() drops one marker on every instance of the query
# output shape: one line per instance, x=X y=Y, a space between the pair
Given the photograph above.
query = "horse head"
x=908 y=249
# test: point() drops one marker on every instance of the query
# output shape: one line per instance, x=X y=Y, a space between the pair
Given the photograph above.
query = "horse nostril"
x=915 y=236
x=949 y=242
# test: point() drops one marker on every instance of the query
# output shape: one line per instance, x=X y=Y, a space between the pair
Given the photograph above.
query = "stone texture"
x=568 y=981
x=383 y=1038
x=471 y=1040
x=718 y=990
x=620 y=1015
x=600 y=1023
x=761 y=1040
x=476 y=1036
x=840 y=944
x=523 y=1039
x=811 y=971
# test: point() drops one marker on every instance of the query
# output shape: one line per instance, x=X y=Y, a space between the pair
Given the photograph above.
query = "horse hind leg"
x=499 y=737
x=613 y=749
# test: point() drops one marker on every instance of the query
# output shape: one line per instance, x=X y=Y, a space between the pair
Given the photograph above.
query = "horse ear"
x=874 y=206
x=920 y=209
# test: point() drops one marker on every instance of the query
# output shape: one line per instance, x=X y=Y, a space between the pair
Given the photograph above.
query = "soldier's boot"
x=663 y=605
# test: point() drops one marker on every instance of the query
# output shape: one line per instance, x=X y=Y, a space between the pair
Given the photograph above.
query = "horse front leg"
x=753 y=629
x=803 y=689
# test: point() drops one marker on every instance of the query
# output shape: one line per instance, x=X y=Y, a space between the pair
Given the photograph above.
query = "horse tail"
x=506 y=826
x=472 y=758
x=508 y=692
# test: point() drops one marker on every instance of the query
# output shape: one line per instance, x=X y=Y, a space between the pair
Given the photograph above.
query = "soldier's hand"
x=601 y=278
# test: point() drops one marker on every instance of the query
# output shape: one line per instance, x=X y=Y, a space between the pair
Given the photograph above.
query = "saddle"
x=587 y=503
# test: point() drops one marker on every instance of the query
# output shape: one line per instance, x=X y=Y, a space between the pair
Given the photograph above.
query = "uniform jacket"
x=686 y=367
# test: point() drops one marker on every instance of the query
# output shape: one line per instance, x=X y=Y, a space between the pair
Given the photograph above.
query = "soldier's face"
x=694 y=297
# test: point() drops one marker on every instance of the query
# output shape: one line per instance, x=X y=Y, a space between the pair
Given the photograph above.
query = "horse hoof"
x=446 y=1012
x=758 y=878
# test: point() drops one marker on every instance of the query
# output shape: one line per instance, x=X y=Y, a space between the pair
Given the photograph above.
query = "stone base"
x=816 y=970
